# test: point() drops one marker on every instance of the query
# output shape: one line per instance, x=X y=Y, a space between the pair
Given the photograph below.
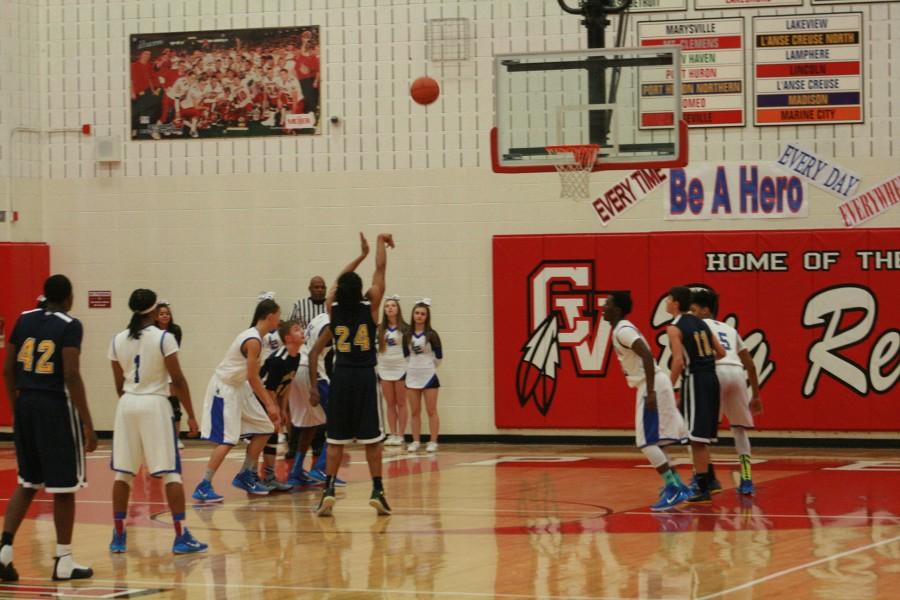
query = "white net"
x=575 y=174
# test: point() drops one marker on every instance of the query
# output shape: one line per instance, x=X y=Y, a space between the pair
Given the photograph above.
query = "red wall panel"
x=826 y=339
x=23 y=269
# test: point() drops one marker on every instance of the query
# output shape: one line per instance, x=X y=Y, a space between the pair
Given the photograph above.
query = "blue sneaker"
x=117 y=545
x=187 y=544
x=746 y=487
x=320 y=476
x=671 y=497
x=301 y=479
x=204 y=492
x=249 y=482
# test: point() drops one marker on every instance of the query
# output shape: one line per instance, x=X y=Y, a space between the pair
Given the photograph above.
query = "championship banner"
x=225 y=83
x=817 y=311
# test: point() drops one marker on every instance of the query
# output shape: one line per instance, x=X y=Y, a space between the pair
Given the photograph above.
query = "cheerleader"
x=392 y=368
x=422 y=345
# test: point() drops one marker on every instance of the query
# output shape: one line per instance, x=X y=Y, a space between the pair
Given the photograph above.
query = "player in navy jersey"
x=694 y=353
x=277 y=373
x=52 y=428
x=354 y=413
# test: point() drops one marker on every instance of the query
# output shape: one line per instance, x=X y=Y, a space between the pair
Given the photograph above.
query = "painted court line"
x=373 y=591
x=766 y=515
x=802 y=567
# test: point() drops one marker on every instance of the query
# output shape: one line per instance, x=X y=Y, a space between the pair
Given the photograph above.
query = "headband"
x=266 y=296
x=425 y=301
x=147 y=311
x=393 y=297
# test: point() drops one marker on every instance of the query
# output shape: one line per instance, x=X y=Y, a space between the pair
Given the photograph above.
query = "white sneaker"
x=180 y=445
x=398 y=440
x=389 y=440
x=413 y=447
x=431 y=447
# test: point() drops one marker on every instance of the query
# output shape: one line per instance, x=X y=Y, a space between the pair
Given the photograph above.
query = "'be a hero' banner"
x=817 y=310
x=735 y=191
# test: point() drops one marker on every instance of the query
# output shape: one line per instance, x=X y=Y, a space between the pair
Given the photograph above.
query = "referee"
x=307 y=308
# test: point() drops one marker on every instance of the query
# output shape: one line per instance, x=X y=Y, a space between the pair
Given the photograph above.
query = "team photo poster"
x=227 y=83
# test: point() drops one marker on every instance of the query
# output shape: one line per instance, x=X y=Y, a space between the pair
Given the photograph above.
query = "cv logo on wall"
x=564 y=315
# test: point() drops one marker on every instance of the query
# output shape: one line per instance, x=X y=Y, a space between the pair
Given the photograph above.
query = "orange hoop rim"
x=585 y=154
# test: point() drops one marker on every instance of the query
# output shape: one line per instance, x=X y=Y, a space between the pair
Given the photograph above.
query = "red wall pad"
x=23 y=269
x=817 y=309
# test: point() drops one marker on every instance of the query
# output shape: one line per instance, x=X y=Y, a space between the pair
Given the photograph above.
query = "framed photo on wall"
x=225 y=83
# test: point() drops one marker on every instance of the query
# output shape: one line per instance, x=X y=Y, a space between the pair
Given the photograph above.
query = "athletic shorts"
x=665 y=425
x=49 y=443
x=700 y=406
x=734 y=396
x=144 y=434
x=231 y=412
x=354 y=412
x=303 y=414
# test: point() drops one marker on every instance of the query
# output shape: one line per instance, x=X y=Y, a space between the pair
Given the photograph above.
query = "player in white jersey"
x=144 y=358
x=306 y=418
x=231 y=410
x=733 y=371
x=657 y=421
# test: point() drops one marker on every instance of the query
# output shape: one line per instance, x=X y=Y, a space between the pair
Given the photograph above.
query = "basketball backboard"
x=627 y=100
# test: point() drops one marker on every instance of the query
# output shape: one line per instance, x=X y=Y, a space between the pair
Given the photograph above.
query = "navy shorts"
x=700 y=405
x=49 y=443
x=354 y=413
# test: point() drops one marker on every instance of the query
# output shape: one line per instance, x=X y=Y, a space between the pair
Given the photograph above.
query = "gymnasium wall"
x=209 y=224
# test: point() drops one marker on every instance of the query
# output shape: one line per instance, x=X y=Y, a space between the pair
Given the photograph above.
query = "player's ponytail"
x=142 y=303
x=265 y=308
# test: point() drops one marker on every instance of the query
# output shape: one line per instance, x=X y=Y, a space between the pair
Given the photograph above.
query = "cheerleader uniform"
x=424 y=358
x=392 y=362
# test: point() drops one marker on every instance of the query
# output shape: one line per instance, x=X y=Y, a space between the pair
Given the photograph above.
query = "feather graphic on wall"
x=536 y=374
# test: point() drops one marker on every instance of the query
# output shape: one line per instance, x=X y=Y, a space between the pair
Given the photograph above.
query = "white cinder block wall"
x=209 y=224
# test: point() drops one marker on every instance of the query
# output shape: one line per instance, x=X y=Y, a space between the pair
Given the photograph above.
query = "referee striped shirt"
x=305 y=310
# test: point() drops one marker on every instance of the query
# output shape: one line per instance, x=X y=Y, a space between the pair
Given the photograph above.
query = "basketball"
x=425 y=90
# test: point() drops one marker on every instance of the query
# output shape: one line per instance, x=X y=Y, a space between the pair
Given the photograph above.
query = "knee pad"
x=655 y=455
x=171 y=478
x=270 y=450
x=126 y=477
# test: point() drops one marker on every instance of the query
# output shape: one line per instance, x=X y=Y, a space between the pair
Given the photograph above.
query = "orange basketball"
x=425 y=90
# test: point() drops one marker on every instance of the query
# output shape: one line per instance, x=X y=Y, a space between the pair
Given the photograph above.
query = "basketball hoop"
x=575 y=174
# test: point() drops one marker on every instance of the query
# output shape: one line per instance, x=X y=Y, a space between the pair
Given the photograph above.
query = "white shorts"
x=734 y=398
x=232 y=412
x=303 y=414
x=144 y=434
x=666 y=425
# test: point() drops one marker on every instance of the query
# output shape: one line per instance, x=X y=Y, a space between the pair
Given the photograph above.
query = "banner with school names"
x=657 y=5
x=712 y=73
x=808 y=69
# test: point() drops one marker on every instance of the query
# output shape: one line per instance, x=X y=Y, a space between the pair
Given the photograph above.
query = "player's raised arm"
x=351 y=266
x=376 y=291
x=677 y=348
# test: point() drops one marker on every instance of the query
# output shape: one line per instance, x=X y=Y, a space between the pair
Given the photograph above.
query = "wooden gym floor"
x=495 y=521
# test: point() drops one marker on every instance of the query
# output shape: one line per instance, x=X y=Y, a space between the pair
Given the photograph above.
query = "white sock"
x=6 y=554
x=63 y=549
x=741 y=441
